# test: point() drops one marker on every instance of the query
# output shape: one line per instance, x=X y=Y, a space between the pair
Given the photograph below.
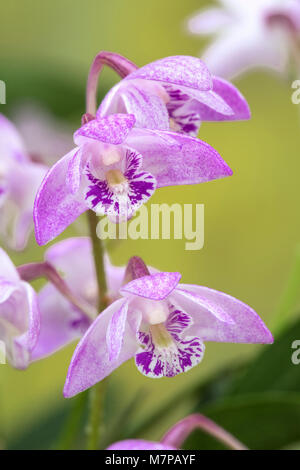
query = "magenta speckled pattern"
x=112 y=129
x=156 y=286
x=179 y=70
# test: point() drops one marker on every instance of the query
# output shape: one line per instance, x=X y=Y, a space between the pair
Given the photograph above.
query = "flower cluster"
x=142 y=137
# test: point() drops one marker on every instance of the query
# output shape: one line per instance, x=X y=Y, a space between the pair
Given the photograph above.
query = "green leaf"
x=261 y=421
x=273 y=368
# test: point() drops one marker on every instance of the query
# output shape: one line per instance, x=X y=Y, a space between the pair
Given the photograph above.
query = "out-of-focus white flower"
x=249 y=33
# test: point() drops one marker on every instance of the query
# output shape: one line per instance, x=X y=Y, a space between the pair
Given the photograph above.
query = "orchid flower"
x=163 y=324
x=175 y=437
x=247 y=34
x=115 y=168
x=19 y=181
x=19 y=314
x=175 y=93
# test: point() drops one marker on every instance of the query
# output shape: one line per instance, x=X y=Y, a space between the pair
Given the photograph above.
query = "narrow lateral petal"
x=155 y=287
x=180 y=70
x=55 y=206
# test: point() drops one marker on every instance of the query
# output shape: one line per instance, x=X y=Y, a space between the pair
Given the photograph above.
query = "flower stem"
x=94 y=429
x=178 y=433
x=95 y=423
x=120 y=64
x=98 y=253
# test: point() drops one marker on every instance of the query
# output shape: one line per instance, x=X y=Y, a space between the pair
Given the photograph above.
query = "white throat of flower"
x=155 y=313
x=117 y=182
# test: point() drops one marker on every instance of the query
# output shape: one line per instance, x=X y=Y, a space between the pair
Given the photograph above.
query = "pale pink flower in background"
x=20 y=178
x=248 y=34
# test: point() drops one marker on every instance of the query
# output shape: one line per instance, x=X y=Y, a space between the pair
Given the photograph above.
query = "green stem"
x=94 y=429
x=291 y=295
x=95 y=424
x=98 y=254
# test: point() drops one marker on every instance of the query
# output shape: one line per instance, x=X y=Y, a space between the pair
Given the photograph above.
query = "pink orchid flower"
x=247 y=34
x=163 y=324
x=19 y=182
x=116 y=168
x=175 y=93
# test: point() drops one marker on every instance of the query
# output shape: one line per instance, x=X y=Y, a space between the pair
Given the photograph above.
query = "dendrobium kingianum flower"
x=115 y=168
x=256 y=33
x=175 y=437
x=35 y=325
x=163 y=324
x=175 y=93
x=20 y=178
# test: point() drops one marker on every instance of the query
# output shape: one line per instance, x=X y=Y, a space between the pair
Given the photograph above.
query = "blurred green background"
x=252 y=223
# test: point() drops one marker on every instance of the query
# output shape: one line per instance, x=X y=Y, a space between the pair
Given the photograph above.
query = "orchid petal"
x=204 y=303
x=20 y=324
x=18 y=219
x=149 y=110
x=231 y=95
x=11 y=144
x=61 y=322
x=242 y=48
x=6 y=289
x=182 y=160
x=67 y=257
x=155 y=287
x=208 y=21
x=112 y=129
x=178 y=70
x=247 y=326
x=55 y=206
x=90 y=362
